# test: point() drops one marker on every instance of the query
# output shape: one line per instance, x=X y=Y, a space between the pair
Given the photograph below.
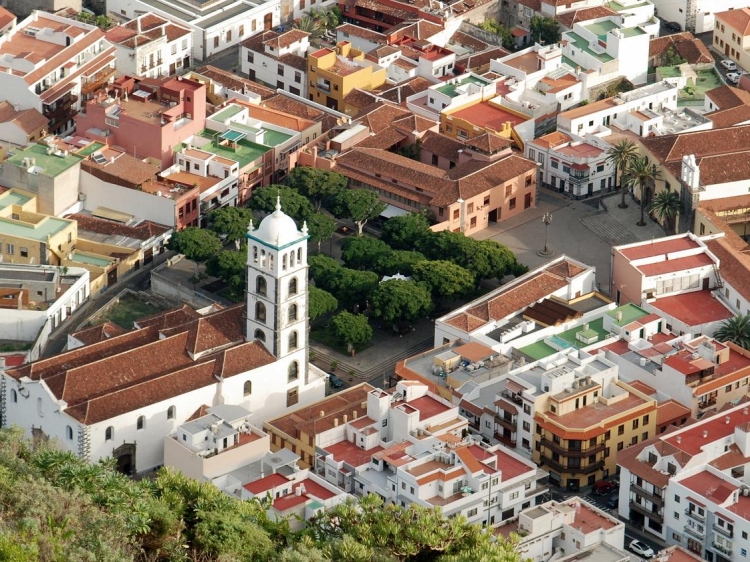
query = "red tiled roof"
x=263 y=485
x=673 y=265
x=694 y=308
x=664 y=246
x=738 y=19
x=99 y=333
x=669 y=411
x=708 y=485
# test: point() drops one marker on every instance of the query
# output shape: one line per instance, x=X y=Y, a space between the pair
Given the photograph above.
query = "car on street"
x=641 y=548
x=613 y=501
x=335 y=381
x=733 y=77
x=728 y=64
x=672 y=26
x=604 y=487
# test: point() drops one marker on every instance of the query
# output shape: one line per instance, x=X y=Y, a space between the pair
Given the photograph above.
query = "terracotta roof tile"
x=5 y=17
x=738 y=19
x=735 y=264
x=442 y=145
x=489 y=143
x=385 y=139
x=169 y=318
x=99 y=333
x=398 y=93
x=28 y=120
x=283 y=103
x=144 y=230
x=571 y=17
x=360 y=98
x=362 y=32
x=234 y=82
x=670 y=410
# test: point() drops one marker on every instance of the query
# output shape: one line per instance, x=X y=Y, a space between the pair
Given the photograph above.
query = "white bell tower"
x=276 y=297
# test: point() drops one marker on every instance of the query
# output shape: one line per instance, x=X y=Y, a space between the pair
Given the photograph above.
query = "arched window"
x=263 y=258
x=270 y=260
x=299 y=255
x=141 y=423
x=39 y=408
x=260 y=312
x=171 y=412
x=291 y=258
x=293 y=287
x=255 y=254
x=260 y=335
x=293 y=313
x=69 y=433
x=293 y=340
x=293 y=371
x=13 y=395
x=109 y=433
x=248 y=388
x=260 y=285
x=283 y=262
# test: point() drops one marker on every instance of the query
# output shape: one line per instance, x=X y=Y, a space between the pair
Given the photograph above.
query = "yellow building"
x=335 y=73
x=580 y=430
x=27 y=236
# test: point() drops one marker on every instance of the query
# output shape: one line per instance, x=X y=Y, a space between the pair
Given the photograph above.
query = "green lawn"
x=538 y=350
x=127 y=311
x=595 y=325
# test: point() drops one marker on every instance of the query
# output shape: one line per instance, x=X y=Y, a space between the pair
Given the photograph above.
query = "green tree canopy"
x=323 y=270
x=444 y=279
x=665 y=206
x=195 y=244
x=397 y=300
x=735 y=330
x=621 y=155
x=231 y=267
x=406 y=232
x=320 y=302
x=485 y=259
x=363 y=252
x=398 y=261
x=293 y=203
x=321 y=228
x=351 y=329
x=502 y=31
x=352 y=287
x=545 y=30
x=317 y=185
x=359 y=205
x=231 y=221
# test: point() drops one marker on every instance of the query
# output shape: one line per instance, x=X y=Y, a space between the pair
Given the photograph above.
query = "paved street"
x=577 y=229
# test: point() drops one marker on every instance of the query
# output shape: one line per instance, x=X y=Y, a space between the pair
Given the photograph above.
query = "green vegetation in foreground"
x=55 y=507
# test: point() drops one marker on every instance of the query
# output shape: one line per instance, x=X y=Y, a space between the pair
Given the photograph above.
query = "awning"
x=391 y=211
x=112 y=215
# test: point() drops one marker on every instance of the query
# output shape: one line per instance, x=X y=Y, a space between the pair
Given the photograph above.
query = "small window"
x=69 y=433
x=261 y=286
x=293 y=371
x=293 y=286
x=171 y=411
x=293 y=341
x=292 y=397
x=109 y=433
x=141 y=423
x=260 y=312
x=260 y=335
x=247 y=390
x=13 y=395
x=293 y=313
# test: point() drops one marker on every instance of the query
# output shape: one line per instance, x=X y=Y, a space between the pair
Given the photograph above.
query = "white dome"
x=278 y=229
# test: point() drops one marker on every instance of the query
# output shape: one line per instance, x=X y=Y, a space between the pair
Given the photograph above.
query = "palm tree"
x=735 y=330
x=309 y=24
x=643 y=175
x=665 y=206
x=620 y=155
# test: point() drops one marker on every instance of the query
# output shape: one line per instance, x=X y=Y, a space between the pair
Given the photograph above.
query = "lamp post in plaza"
x=547 y=220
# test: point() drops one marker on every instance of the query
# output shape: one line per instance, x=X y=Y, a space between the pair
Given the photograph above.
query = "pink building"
x=146 y=119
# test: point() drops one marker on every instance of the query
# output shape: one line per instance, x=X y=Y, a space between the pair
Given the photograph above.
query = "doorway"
x=492 y=215
x=125 y=457
x=267 y=22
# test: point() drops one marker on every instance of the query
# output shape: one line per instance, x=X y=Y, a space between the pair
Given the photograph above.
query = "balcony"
x=509 y=441
x=723 y=531
x=638 y=508
x=511 y=424
x=707 y=403
x=694 y=515
x=566 y=452
x=694 y=532
x=97 y=80
x=591 y=467
x=722 y=548
x=513 y=397
x=646 y=495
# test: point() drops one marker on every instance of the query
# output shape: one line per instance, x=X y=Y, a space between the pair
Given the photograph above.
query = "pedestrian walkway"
x=607 y=228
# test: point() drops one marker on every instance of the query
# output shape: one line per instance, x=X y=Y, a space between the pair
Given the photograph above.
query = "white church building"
x=119 y=394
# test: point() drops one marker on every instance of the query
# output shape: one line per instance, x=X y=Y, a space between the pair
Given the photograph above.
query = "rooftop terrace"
x=583 y=45
x=450 y=89
x=244 y=152
x=51 y=165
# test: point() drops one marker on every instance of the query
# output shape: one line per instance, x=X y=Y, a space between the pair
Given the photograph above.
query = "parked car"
x=335 y=381
x=641 y=549
x=672 y=26
x=604 y=487
x=613 y=501
x=728 y=64
x=733 y=77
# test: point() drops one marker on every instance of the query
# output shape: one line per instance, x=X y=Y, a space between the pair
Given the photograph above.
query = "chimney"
x=322 y=413
x=705 y=433
x=138 y=23
x=354 y=415
x=744 y=410
x=679 y=439
x=618 y=315
x=726 y=420
x=346 y=418
x=336 y=422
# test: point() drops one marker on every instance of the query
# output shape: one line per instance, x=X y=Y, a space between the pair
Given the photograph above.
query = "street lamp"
x=547 y=220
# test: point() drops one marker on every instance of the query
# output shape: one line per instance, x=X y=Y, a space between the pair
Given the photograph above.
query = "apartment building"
x=572 y=164
x=662 y=483
x=150 y=46
x=568 y=531
x=699 y=16
x=452 y=93
x=333 y=73
x=648 y=111
x=112 y=179
x=215 y=26
x=277 y=59
x=147 y=119
x=54 y=64
x=677 y=277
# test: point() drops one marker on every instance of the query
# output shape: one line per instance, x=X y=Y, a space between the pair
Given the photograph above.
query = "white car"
x=728 y=64
x=641 y=549
x=733 y=77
